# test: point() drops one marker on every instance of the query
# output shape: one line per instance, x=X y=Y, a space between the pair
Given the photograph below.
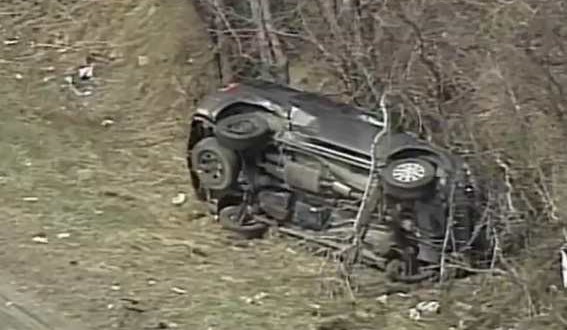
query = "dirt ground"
x=86 y=184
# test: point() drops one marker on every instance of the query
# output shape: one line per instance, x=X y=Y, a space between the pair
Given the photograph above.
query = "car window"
x=323 y=104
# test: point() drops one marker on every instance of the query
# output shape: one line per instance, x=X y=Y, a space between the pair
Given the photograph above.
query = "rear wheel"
x=243 y=131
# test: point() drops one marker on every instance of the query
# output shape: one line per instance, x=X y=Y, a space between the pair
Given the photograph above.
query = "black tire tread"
x=250 y=230
x=239 y=143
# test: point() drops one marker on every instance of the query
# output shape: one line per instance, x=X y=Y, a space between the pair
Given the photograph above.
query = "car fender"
x=402 y=144
x=214 y=105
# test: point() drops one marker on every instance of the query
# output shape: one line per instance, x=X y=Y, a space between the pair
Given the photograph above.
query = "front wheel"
x=216 y=166
x=409 y=178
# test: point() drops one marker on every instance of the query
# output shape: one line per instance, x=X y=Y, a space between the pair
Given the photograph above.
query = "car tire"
x=243 y=131
x=216 y=166
x=409 y=178
x=249 y=229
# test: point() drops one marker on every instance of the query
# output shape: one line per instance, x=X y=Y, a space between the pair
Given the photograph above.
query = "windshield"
x=317 y=105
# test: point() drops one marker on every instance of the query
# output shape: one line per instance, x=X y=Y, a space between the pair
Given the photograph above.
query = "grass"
x=110 y=188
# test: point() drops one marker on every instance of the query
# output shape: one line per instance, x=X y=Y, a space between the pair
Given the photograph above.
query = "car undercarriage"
x=267 y=156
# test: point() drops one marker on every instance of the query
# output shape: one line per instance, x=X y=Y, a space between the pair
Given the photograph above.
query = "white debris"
x=414 y=314
x=422 y=308
x=85 y=93
x=260 y=296
x=19 y=76
x=86 y=72
x=180 y=199
x=115 y=287
x=179 y=290
x=152 y=282
x=315 y=306
x=30 y=199
x=63 y=235
x=9 y=304
x=383 y=299
x=256 y=300
x=429 y=307
x=11 y=41
x=107 y=122
x=143 y=60
x=247 y=300
x=110 y=306
x=40 y=239
x=290 y=250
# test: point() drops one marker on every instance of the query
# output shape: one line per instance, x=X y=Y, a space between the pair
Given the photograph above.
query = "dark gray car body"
x=318 y=121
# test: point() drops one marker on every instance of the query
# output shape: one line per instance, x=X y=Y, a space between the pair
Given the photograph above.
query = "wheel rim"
x=408 y=172
x=210 y=167
x=241 y=127
x=233 y=217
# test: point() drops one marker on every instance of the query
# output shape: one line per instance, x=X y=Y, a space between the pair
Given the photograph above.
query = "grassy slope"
x=110 y=187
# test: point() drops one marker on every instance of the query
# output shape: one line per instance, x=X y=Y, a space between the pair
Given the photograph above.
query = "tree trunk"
x=273 y=59
x=280 y=62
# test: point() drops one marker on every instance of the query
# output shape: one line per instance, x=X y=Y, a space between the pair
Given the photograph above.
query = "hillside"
x=88 y=172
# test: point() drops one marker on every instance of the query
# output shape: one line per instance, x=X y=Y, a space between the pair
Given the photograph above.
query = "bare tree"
x=485 y=78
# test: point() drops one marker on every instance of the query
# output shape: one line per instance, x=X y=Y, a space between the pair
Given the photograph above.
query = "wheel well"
x=436 y=159
x=411 y=152
x=197 y=132
x=238 y=108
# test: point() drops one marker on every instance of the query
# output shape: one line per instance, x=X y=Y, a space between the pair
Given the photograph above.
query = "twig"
x=371 y=191
x=508 y=182
x=447 y=232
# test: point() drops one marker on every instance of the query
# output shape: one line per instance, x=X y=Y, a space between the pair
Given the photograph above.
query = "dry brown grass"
x=110 y=187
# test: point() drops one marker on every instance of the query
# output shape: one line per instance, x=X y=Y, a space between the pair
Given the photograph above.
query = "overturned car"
x=262 y=154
